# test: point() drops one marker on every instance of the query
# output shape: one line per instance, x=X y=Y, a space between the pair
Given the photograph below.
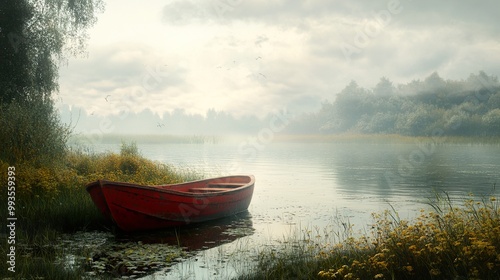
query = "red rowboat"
x=137 y=207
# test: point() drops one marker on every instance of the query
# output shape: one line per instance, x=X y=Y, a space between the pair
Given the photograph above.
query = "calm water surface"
x=308 y=186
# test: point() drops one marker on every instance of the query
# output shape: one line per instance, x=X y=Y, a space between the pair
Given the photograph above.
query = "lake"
x=304 y=187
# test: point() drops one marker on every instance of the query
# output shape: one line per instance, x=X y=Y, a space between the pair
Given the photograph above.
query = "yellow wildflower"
x=435 y=272
x=349 y=276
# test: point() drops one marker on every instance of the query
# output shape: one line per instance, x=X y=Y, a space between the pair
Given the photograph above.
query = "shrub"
x=450 y=243
x=32 y=132
x=129 y=149
x=58 y=191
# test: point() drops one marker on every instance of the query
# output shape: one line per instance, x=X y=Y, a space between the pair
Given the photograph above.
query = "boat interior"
x=217 y=187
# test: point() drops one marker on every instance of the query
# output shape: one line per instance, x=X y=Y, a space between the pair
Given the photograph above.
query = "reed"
x=450 y=242
x=51 y=201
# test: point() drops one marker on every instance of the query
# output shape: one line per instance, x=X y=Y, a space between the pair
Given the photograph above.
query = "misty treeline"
x=469 y=107
x=178 y=121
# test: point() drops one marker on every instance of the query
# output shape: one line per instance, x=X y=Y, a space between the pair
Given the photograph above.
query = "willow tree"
x=35 y=37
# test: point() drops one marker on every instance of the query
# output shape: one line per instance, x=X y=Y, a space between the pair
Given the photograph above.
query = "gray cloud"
x=211 y=47
x=184 y=12
x=121 y=71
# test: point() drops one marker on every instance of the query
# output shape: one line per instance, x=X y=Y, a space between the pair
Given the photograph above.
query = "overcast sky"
x=254 y=57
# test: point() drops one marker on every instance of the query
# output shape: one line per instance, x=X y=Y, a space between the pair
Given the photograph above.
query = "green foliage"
x=419 y=108
x=451 y=242
x=40 y=266
x=58 y=192
x=33 y=36
x=14 y=56
x=129 y=149
x=32 y=132
x=492 y=119
x=77 y=169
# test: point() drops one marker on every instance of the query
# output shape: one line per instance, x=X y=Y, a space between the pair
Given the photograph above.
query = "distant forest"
x=419 y=108
x=469 y=107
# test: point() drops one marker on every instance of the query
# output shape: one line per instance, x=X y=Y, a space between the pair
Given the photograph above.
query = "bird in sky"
x=258 y=58
x=107 y=97
x=263 y=75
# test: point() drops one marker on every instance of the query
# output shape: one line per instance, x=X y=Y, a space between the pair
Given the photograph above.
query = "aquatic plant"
x=132 y=259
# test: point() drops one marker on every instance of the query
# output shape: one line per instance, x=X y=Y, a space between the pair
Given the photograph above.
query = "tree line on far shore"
x=469 y=107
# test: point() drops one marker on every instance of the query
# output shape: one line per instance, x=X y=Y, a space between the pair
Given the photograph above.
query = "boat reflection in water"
x=143 y=253
x=199 y=236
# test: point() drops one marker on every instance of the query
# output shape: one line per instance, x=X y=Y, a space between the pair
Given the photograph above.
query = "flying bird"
x=258 y=58
x=107 y=97
x=160 y=125
x=263 y=75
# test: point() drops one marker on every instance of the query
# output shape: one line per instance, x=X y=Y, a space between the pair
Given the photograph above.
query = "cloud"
x=123 y=72
x=255 y=56
x=184 y=12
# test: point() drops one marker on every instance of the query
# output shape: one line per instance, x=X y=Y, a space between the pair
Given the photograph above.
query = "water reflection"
x=200 y=236
x=141 y=254
x=406 y=169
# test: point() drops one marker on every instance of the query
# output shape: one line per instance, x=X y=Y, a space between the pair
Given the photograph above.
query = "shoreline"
x=281 y=138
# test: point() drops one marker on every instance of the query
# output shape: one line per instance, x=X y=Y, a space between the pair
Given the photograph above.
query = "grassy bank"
x=451 y=242
x=52 y=201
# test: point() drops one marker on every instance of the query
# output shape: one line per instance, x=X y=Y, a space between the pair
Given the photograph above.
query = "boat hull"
x=136 y=207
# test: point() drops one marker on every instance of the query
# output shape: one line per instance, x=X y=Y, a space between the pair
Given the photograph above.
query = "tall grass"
x=51 y=200
x=450 y=242
x=32 y=132
x=55 y=197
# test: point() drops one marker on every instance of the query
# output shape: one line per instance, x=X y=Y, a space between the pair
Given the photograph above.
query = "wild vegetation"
x=35 y=36
x=51 y=200
x=450 y=242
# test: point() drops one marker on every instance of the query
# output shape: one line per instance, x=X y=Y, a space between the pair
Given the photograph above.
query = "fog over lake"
x=322 y=185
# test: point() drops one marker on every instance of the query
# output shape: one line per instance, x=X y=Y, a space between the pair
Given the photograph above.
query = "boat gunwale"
x=166 y=189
